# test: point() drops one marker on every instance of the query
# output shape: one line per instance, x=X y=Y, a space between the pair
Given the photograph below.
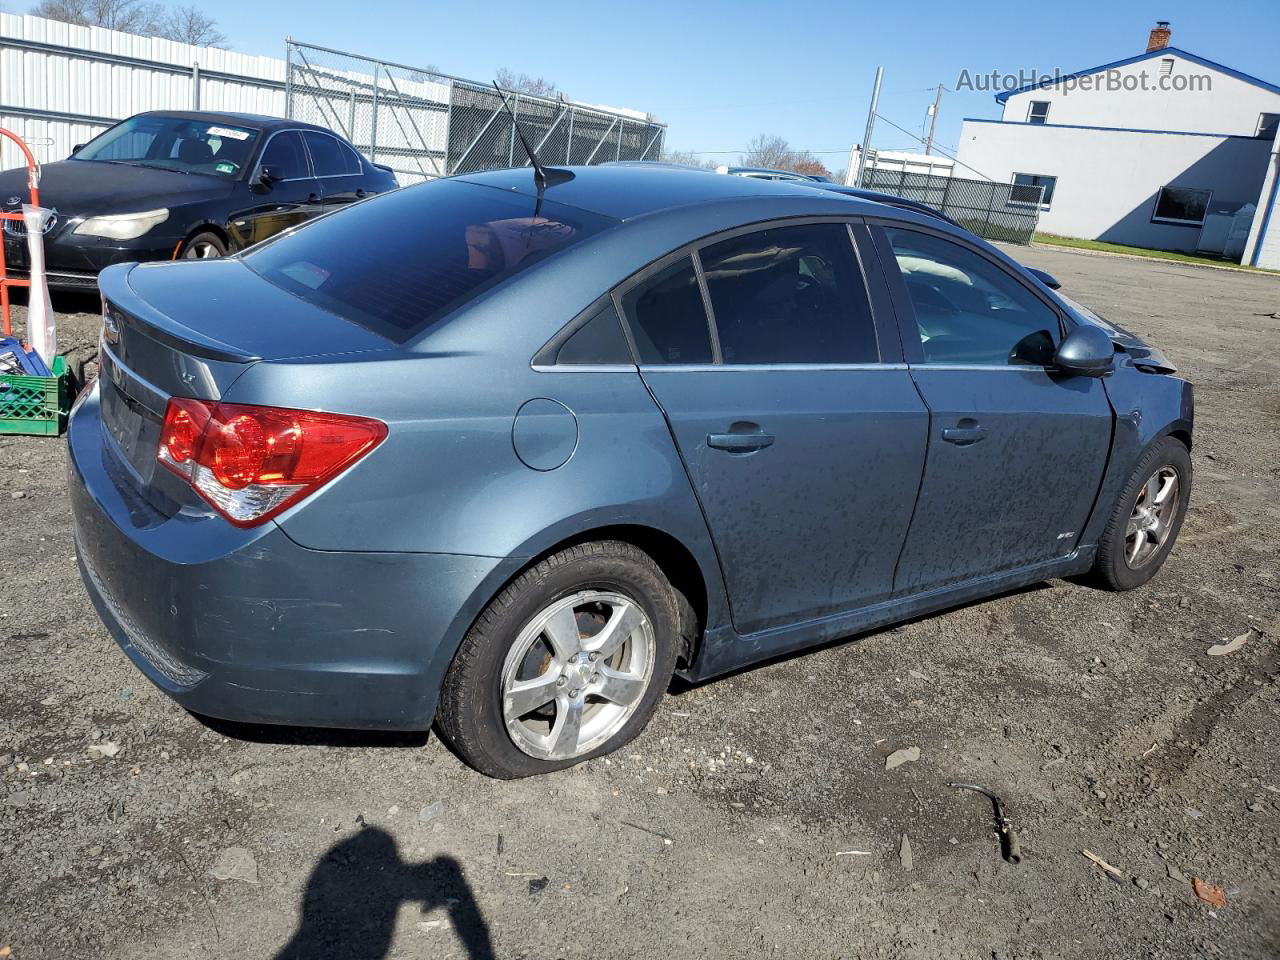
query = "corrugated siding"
x=64 y=82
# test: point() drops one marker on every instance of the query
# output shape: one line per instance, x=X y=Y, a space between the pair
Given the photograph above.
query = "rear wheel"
x=204 y=246
x=1147 y=517
x=569 y=662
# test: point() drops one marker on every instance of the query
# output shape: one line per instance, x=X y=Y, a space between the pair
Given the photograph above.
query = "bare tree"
x=767 y=150
x=191 y=25
x=128 y=16
x=523 y=83
x=144 y=17
x=772 y=151
x=687 y=157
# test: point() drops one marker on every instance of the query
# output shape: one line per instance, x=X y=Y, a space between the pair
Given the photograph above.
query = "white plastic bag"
x=42 y=331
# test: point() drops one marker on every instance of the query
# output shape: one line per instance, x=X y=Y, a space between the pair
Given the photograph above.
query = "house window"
x=1185 y=205
x=1267 y=125
x=1026 y=189
x=1166 y=66
x=1039 y=112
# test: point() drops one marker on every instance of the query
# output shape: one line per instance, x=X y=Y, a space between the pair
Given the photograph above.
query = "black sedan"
x=171 y=185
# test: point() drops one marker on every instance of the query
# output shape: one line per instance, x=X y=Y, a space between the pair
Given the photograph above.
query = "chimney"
x=1160 y=35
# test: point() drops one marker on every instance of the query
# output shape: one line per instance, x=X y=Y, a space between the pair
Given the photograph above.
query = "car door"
x=292 y=198
x=796 y=420
x=1016 y=449
x=339 y=171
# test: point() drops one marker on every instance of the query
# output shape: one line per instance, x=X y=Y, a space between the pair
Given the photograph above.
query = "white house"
x=1166 y=150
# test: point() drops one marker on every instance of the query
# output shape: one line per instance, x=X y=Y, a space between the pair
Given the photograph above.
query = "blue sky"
x=718 y=73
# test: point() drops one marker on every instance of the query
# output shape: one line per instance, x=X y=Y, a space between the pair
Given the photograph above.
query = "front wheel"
x=569 y=662
x=203 y=246
x=1147 y=517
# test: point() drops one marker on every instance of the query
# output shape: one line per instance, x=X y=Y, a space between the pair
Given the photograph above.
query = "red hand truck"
x=33 y=187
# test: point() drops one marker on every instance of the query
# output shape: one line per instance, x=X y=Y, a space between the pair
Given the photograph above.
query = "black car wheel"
x=1146 y=518
x=204 y=246
x=565 y=664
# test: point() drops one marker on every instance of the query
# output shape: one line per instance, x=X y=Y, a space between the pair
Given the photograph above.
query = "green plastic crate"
x=36 y=406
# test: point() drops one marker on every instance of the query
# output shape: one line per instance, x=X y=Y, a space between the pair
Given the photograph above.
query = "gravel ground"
x=756 y=816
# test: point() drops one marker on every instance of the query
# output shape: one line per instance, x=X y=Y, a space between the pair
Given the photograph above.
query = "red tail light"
x=251 y=462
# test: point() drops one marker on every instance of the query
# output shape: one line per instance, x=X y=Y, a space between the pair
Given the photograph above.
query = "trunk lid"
x=191 y=330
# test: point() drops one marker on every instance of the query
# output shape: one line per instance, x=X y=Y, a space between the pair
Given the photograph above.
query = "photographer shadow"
x=355 y=892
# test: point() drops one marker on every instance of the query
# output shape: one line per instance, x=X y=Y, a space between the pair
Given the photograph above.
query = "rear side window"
x=401 y=261
x=598 y=341
x=285 y=151
x=668 y=321
x=330 y=157
x=790 y=295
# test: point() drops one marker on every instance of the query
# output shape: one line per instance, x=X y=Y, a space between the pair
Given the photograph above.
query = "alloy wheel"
x=1152 y=518
x=576 y=673
x=203 y=250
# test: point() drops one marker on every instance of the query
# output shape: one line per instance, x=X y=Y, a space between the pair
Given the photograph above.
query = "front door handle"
x=739 y=442
x=312 y=197
x=963 y=435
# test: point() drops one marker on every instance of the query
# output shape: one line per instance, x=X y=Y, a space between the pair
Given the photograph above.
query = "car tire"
x=510 y=658
x=203 y=246
x=1142 y=528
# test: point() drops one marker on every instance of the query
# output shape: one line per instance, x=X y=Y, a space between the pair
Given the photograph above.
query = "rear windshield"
x=399 y=262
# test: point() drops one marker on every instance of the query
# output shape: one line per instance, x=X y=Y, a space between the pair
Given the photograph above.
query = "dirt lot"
x=756 y=816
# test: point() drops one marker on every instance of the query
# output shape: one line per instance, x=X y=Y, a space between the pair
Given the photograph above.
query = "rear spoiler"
x=117 y=293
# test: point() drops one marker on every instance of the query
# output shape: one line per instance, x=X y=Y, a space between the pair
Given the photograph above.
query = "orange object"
x=33 y=187
x=1209 y=892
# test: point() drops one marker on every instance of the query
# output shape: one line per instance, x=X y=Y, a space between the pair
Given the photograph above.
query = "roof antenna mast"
x=540 y=174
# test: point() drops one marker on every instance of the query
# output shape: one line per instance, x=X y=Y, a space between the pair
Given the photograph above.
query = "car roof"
x=625 y=192
x=888 y=199
x=260 y=121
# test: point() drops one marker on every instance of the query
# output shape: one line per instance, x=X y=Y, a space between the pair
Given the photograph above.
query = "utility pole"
x=933 y=120
x=871 y=123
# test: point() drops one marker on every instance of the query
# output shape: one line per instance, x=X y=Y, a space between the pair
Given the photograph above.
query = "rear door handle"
x=963 y=435
x=739 y=442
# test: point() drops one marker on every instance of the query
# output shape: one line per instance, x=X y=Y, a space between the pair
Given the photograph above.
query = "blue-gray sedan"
x=502 y=456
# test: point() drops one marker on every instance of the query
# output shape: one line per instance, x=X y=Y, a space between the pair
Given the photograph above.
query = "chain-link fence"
x=997 y=211
x=424 y=124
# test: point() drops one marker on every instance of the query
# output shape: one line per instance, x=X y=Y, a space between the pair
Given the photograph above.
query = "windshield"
x=400 y=261
x=174 y=143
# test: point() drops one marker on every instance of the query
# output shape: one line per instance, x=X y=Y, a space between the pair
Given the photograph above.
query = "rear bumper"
x=249 y=626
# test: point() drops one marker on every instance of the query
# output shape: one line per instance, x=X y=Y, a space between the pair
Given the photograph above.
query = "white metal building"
x=1166 y=150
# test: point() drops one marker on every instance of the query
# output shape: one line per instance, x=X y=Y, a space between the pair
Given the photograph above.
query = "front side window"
x=284 y=152
x=967 y=309
x=330 y=157
x=174 y=143
x=1039 y=112
x=1183 y=205
x=790 y=295
x=1027 y=189
x=668 y=320
x=404 y=260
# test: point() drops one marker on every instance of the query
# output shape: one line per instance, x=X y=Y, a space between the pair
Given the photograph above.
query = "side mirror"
x=76 y=149
x=1087 y=352
x=1048 y=279
x=267 y=174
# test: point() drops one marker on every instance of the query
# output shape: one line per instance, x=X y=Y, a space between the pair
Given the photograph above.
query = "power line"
x=941 y=151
